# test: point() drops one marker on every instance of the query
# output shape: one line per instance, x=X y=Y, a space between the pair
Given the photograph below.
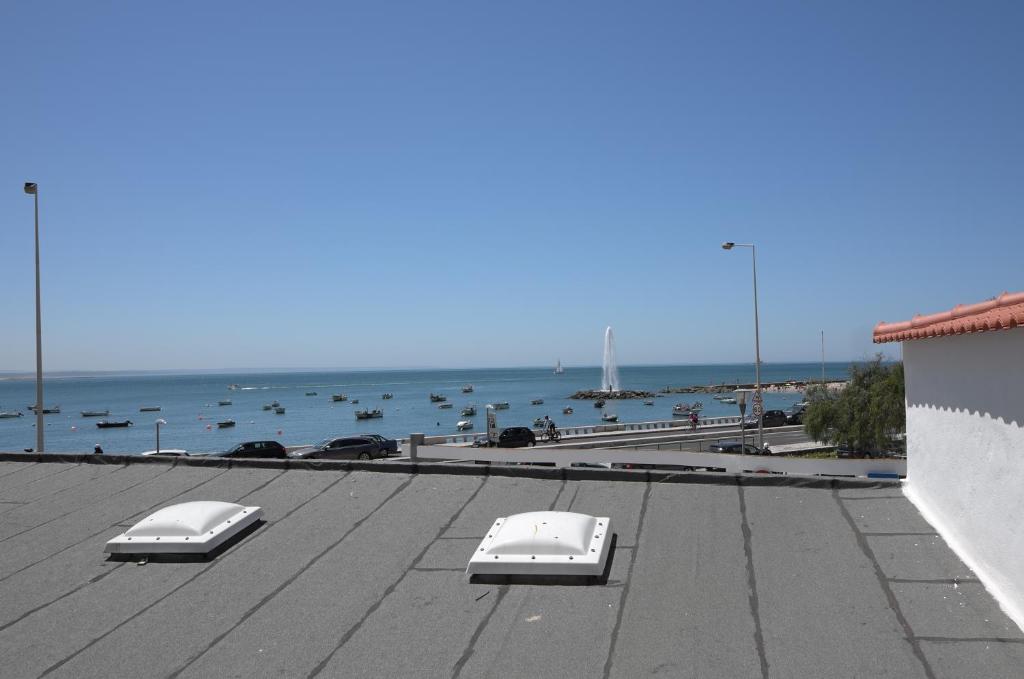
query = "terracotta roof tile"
x=1000 y=313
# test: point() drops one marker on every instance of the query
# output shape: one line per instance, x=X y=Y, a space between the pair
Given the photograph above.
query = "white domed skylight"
x=186 y=528
x=543 y=543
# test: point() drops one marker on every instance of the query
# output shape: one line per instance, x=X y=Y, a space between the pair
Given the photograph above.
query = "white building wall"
x=965 y=451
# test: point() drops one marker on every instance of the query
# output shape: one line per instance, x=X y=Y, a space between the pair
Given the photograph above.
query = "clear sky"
x=353 y=184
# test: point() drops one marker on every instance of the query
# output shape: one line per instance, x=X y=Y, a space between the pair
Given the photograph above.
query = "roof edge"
x=998 y=313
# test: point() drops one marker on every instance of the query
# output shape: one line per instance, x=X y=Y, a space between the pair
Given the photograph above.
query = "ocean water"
x=189 y=403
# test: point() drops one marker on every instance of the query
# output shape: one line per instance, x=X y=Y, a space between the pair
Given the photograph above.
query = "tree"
x=867 y=416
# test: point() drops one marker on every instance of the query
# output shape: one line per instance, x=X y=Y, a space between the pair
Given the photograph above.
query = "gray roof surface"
x=361 y=573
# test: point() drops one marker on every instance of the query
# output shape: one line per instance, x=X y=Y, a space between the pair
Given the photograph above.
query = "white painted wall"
x=965 y=451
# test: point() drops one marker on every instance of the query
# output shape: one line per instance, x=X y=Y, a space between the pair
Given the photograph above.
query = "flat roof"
x=358 y=572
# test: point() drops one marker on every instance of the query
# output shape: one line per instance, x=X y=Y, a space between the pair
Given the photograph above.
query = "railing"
x=886 y=468
x=591 y=429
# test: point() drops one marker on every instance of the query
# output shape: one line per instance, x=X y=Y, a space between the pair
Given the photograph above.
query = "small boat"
x=437 y=398
x=443 y=406
x=355 y=401
x=649 y=402
x=232 y=387
x=337 y=398
x=463 y=425
x=609 y=417
x=310 y=393
x=104 y=424
x=687 y=408
x=53 y=410
x=567 y=410
x=467 y=389
x=719 y=397
x=225 y=424
x=95 y=413
x=387 y=396
x=500 y=405
x=9 y=414
x=267 y=406
x=539 y=422
x=469 y=411
x=558 y=367
x=275 y=404
x=279 y=410
x=537 y=402
x=369 y=414
x=149 y=409
x=727 y=399
x=225 y=402
x=599 y=403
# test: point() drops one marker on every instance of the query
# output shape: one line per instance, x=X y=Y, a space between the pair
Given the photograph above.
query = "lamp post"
x=158 y=423
x=33 y=190
x=758 y=402
x=822 y=358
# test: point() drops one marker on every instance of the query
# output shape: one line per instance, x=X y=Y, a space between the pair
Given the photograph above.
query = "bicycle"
x=551 y=436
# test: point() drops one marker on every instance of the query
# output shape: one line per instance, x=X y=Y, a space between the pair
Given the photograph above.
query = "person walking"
x=694 y=419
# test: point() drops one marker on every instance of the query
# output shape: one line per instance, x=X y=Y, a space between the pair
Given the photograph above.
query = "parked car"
x=513 y=437
x=795 y=415
x=732 y=446
x=771 y=418
x=264 y=449
x=345 y=448
x=390 y=446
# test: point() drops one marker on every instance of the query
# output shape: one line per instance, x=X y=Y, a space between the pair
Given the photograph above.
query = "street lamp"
x=158 y=423
x=33 y=190
x=758 y=402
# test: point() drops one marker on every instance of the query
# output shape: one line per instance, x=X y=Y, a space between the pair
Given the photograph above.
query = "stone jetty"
x=594 y=394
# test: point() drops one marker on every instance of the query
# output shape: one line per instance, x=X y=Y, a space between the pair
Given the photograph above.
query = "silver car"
x=342 y=448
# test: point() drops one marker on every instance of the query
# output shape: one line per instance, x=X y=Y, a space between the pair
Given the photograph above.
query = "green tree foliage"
x=868 y=415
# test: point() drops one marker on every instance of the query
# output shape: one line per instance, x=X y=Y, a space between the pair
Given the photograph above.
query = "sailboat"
x=558 y=367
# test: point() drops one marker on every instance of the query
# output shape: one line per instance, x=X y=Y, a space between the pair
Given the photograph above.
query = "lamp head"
x=728 y=245
x=30 y=188
x=161 y=421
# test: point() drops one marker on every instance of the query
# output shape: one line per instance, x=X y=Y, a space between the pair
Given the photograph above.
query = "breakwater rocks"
x=792 y=385
x=594 y=394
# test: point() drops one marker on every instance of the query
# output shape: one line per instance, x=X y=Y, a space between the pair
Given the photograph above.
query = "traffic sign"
x=758 y=404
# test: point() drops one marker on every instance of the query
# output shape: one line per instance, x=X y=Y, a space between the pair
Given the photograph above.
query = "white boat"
x=727 y=399
x=463 y=425
x=95 y=413
x=52 y=410
x=444 y=406
x=469 y=411
x=500 y=405
x=558 y=367
x=369 y=414
x=468 y=389
x=610 y=417
x=649 y=402
x=337 y=398
x=8 y=415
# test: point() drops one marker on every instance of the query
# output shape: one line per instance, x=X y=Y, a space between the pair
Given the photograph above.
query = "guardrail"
x=586 y=430
x=735 y=464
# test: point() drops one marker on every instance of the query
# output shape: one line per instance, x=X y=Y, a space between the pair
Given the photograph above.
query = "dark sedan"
x=263 y=449
x=733 y=447
x=343 y=448
x=513 y=437
x=390 y=446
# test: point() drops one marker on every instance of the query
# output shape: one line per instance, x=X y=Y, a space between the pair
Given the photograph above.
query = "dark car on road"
x=795 y=415
x=390 y=446
x=733 y=447
x=771 y=418
x=513 y=437
x=341 y=448
x=264 y=449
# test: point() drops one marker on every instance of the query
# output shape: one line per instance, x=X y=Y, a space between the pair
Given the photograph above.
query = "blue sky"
x=485 y=184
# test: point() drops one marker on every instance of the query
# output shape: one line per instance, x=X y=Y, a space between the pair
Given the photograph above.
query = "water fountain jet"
x=610 y=369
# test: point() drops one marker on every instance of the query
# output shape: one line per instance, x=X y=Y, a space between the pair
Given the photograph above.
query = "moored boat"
x=337 y=398
x=649 y=402
x=463 y=425
x=106 y=424
x=500 y=405
x=537 y=402
x=52 y=410
x=567 y=410
x=437 y=398
x=558 y=367
x=310 y=393
x=443 y=406
x=9 y=414
x=355 y=401
x=610 y=417
x=369 y=414
x=727 y=399
x=599 y=403
x=467 y=389
x=95 y=413
x=279 y=410
x=469 y=411
x=225 y=424
x=149 y=409
x=267 y=406
x=225 y=402
x=387 y=396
